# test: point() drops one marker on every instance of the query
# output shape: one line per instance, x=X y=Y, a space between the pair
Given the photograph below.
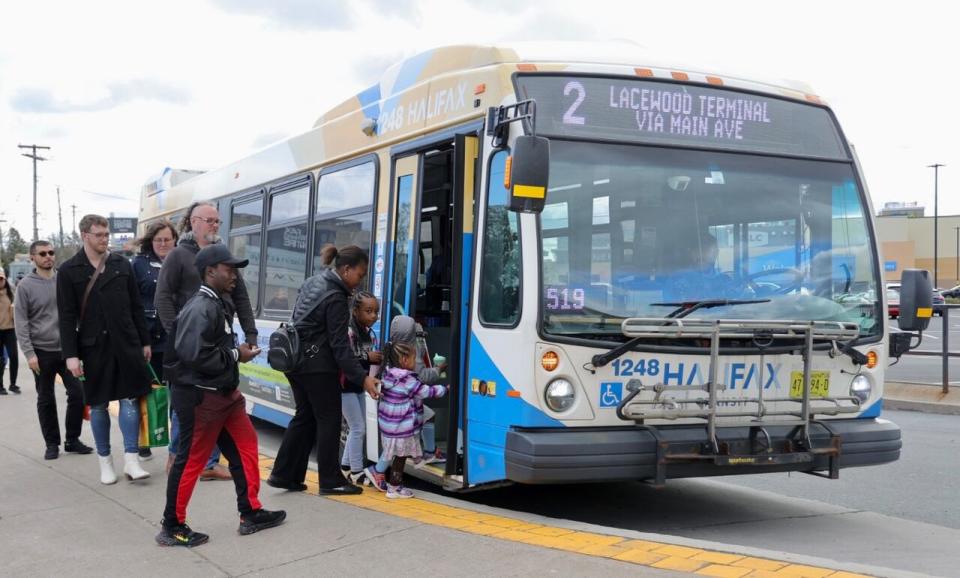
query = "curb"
x=921 y=406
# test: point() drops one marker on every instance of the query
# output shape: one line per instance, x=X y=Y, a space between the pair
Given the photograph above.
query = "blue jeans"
x=175 y=441
x=129 y=426
x=352 y=407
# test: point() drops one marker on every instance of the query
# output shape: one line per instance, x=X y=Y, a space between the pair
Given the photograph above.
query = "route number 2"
x=569 y=117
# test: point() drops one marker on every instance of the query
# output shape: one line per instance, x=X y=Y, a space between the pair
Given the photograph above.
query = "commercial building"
x=907 y=243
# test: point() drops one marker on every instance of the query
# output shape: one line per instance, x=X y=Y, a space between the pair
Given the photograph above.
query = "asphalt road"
x=923 y=369
x=904 y=515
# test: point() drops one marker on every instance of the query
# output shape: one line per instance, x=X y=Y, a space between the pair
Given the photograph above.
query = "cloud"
x=302 y=14
x=41 y=100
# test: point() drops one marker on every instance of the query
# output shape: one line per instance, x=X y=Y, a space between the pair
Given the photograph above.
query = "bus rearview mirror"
x=916 y=300
x=529 y=174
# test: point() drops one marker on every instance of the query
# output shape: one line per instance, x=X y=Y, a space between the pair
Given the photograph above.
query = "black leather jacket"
x=205 y=350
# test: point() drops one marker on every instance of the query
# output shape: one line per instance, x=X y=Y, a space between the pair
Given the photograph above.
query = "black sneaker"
x=52 y=453
x=260 y=520
x=15 y=389
x=278 y=483
x=77 y=447
x=180 y=535
x=344 y=490
x=3 y=391
x=145 y=454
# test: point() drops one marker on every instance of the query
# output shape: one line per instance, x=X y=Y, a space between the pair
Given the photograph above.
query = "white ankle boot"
x=131 y=467
x=107 y=475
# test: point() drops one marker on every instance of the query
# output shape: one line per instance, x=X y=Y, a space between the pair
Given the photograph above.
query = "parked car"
x=893 y=303
x=953 y=292
x=938 y=300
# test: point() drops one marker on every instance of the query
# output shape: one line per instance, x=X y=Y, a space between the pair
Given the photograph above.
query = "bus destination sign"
x=654 y=112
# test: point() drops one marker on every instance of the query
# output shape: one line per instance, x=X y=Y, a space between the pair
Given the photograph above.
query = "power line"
x=33 y=155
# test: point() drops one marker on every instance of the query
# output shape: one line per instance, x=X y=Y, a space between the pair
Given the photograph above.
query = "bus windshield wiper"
x=683 y=309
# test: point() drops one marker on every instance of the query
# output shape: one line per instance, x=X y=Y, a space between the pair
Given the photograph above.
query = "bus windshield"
x=634 y=231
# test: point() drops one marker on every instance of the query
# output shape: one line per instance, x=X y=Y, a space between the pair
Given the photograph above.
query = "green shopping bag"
x=154 y=408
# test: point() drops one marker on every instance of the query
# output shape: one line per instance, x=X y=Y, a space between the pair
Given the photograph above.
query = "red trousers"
x=209 y=418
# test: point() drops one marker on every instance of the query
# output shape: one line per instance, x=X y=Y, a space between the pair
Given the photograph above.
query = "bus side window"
x=246 y=219
x=500 y=262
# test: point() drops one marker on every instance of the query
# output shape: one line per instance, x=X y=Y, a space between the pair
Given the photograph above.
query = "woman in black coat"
x=316 y=384
x=109 y=338
x=156 y=244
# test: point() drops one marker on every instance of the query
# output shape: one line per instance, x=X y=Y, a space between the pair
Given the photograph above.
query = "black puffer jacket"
x=204 y=348
x=323 y=334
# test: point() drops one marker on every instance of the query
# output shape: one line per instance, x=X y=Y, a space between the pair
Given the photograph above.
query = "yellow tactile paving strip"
x=640 y=552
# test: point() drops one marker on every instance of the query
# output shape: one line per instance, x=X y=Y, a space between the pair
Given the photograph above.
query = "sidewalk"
x=921 y=397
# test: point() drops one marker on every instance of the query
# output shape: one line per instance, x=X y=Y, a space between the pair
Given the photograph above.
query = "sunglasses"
x=210 y=220
x=45 y=253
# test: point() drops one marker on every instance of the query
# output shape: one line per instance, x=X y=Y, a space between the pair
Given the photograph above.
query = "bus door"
x=430 y=248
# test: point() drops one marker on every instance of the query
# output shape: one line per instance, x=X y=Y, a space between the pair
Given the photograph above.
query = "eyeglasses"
x=45 y=253
x=160 y=241
x=210 y=220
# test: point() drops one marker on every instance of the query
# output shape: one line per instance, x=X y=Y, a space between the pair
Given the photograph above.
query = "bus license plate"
x=819 y=383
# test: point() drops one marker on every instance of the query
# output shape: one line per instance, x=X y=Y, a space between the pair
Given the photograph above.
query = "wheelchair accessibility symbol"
x=610 y=394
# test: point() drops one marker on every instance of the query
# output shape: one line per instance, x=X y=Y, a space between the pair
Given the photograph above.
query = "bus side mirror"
x=529 y=173
x=916 y=300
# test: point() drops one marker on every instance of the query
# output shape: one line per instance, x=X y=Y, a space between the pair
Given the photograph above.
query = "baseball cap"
x=213 y=255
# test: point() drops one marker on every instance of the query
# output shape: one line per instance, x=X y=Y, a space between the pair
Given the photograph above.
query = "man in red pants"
x=206 y=360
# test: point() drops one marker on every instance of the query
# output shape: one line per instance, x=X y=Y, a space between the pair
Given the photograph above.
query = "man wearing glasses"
x=38 y=332
x=103 y=333
x=178 y=282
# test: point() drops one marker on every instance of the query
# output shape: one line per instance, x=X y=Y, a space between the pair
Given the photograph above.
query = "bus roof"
x=441 y=87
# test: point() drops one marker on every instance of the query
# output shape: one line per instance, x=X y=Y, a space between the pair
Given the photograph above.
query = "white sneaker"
x=107 y=475
x=132 y=468
x=358 y=479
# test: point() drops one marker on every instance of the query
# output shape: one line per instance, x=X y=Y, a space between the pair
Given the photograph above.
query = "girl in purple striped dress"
x=397 y=412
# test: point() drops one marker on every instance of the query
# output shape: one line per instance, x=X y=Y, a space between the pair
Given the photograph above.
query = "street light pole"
x=936 y=170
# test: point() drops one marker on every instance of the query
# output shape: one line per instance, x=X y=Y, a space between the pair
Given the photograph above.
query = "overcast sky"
x=120 y=90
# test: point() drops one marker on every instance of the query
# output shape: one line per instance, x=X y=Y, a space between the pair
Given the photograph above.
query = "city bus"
x=635 y=271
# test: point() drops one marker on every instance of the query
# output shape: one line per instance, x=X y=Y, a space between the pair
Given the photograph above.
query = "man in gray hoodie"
x=38 y=332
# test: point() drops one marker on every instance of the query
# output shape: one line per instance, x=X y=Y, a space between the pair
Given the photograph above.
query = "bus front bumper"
x=570 y=455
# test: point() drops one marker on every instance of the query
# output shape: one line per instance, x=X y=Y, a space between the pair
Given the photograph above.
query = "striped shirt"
x=397 y=414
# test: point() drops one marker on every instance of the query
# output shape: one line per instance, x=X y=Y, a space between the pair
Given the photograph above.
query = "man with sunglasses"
x=178 y=282
x=38 y=332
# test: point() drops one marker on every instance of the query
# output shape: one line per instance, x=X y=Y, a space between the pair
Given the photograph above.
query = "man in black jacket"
x=179 y=281
x=205 y=360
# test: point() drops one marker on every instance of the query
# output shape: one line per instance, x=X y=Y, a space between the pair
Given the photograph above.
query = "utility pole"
x=936 y=169
x=60 y=216
x=74 y=207
x=33 y=155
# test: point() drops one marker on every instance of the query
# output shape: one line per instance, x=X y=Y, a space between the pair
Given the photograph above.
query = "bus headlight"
x=559 y=395
x=861 y=387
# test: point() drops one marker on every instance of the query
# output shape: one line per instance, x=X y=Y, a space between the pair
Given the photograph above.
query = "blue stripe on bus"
x=873 y=411
x=491 y=417
x=274 y=416
x=368 y=97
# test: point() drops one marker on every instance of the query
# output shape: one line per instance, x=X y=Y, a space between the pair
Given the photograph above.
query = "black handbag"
x=286 y=353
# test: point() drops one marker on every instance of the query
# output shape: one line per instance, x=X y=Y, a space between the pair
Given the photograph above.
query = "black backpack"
x=285 y=353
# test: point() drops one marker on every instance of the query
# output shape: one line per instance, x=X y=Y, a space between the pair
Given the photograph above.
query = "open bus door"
x=426 y=262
